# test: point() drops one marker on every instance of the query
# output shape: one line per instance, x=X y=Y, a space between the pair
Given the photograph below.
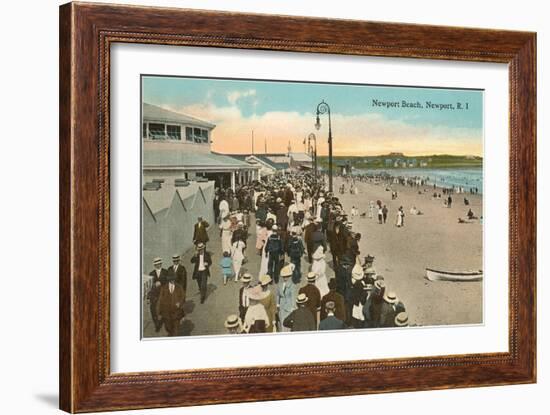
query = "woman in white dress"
x=226 y=233
x=371 y=209
x=319 y=267
x=256 y=312
x=224 y=209
x=399 y=220
x=237 y=256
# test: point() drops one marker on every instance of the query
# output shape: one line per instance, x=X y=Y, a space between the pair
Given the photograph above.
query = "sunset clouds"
x=283 y=112
x=361 y=134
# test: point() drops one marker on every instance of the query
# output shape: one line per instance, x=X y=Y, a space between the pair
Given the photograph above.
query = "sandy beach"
x=434 y=239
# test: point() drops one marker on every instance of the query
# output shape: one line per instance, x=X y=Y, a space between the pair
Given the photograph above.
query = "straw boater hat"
x=357 y=273
x=318 y=254
x=390 y=297
x=311 y=277
x=175 y=257
x=301 y=299
x=232 y=322
x=200 y=245
x=379 y=284
x=402 y=320
x=330 y=306
x=265 y=279
x=247 y=277
x=157 y=260
x=257 y=293
x=286 y=271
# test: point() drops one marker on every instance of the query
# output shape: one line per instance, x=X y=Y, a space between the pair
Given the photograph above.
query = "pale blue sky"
x=253 y=104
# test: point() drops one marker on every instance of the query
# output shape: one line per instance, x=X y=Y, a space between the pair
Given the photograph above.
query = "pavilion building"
x=178 y=146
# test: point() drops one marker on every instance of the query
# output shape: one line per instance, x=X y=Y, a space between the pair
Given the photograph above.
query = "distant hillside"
x=399 y=160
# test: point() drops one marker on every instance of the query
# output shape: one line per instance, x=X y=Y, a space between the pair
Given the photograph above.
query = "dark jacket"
x=318 y=239
x=207 y=262
x=274 y=245
x=300 y=319
x=331 y=323
x=200 y=234
x=340 y=305
x=180 y=274
x=295 y=248
x=170 y=306
x=163 y=277
x=314 y=298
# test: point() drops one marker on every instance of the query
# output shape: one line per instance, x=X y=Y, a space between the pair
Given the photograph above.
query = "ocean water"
x=469 y=177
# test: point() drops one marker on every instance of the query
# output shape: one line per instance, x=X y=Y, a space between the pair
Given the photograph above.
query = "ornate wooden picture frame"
x=87 y=32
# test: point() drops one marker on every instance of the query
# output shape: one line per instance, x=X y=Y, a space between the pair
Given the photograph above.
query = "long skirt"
x=226 y=241
x=263 y=263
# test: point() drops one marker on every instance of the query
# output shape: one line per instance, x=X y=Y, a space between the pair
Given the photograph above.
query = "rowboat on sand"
x=436 y=275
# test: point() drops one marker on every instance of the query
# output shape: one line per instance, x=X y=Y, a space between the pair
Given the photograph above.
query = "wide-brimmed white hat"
x=301 y=299
x=390 y=297
x=232 y=321
x=247 y=277
x=157 y=260
x=286 y=271
x=265 y=279
x=402 y=319
x=311 y=276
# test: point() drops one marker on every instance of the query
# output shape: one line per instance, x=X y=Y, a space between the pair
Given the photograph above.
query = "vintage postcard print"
x=278 y=206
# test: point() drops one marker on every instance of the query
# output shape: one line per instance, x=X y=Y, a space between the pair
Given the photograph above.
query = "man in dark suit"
x=178 y=270
x=244 y=301
x=200 y=233
x=201 y=272
x=274 y=248
x=331 y=322
x=301 y=318
x=160 y=278
x=313 y=294
x=170 y=305
x=308 y=233
x=338 y=300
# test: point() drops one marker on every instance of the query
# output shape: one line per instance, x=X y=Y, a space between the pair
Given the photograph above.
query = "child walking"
x=226 y=265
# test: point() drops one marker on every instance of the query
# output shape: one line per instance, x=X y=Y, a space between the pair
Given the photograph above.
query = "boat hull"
x=436 y=275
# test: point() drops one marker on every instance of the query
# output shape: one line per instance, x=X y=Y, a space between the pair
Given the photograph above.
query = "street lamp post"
x=313 y=152
x=323 y=108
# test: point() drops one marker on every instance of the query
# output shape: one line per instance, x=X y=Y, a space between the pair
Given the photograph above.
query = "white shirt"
x=171 y=287
x=245 y=301
x=201 y=262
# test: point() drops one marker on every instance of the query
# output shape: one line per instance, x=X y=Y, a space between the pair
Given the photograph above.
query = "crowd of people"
x=297 y=226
